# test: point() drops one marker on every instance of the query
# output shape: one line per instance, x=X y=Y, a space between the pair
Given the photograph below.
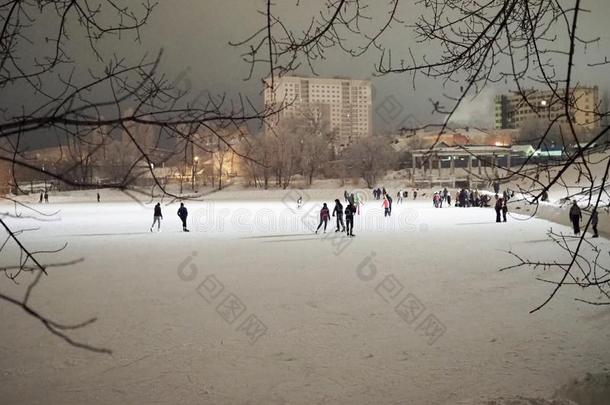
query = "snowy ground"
x=412 y=310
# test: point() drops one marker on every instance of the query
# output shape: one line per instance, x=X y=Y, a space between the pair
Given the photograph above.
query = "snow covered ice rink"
x=252 y=307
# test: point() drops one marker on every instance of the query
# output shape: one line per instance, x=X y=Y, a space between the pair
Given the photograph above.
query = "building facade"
x=512 y=111
x=343 y=105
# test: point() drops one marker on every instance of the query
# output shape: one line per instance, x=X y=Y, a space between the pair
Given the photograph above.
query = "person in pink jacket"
x=386 y=206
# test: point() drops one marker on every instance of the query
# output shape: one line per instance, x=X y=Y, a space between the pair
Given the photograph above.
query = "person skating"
x=415 y=194
x=399 y=199
x=498 y=207
x=157 y=217
x=436 y=200
x=98 y=197
x=386 y=207
x=350 y=210
x=463 y=197
x=346 y=196
x=299 y=202
x=46 y=197
x=324 y=216
x=575 y=217
x=338 y=212
x=40 y=201
x=594 y=223
x=183 y=214
x=504 y=210
x=389 y=201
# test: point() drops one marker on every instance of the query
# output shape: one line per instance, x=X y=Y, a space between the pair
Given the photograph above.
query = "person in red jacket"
x=324 y=217
x=386 y=206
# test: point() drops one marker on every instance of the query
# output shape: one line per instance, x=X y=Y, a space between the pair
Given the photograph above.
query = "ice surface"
x=333 y=308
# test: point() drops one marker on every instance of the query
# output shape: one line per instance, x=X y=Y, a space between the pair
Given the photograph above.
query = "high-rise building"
x=513 y=111
x=343 y=105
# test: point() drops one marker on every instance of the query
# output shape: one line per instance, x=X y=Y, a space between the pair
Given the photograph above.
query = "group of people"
x=338 y=211
x=158 y=216
x=472 y=198
x=464 y=198
x=386 y=204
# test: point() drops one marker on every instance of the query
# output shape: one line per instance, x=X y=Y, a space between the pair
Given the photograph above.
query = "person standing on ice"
x=386 y=207
x=594 y=222
x=98 y=197
x=350 y=210
x=356 y=202
x=504 y=210
x=299 y=202
x=338 y=212
x=324 y=217
x=498 y=207
x=46 y=196
x=399 y=199
x=183 y=214
x=575 y=217
x=40 y=201
x=157 y=217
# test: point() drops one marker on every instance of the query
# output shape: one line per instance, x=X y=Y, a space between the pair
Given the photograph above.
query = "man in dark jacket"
x=350 y=210
x=339 y=214
x=575 y=217
x=157 y=217
x=463 y=196
x=183 y=214
x=498 y=207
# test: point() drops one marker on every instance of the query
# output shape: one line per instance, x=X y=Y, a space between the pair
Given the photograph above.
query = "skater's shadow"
x=276 y=236
x=106 y=234
x=291 y=240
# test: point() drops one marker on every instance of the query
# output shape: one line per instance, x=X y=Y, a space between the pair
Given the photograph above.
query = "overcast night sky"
x=194 y=35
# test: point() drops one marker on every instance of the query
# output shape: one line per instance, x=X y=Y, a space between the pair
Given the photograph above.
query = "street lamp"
x=45 y=177
x=195 y=161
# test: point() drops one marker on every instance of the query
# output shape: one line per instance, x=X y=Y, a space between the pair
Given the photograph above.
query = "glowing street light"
x=195 y=161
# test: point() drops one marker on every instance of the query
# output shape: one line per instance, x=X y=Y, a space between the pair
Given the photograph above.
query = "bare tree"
x=370 y=158
x=85 y=106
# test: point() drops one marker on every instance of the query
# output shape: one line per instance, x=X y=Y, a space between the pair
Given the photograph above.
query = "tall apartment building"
x=512 y=111
x=343 y=105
